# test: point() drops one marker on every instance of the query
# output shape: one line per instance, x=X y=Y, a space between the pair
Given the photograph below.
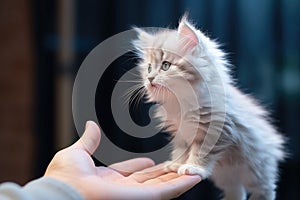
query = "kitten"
x=218 y=132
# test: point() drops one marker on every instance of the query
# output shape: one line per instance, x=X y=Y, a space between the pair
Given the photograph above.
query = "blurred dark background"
x=43 y=42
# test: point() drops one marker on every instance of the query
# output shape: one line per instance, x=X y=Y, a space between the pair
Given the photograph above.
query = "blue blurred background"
x=43 y=42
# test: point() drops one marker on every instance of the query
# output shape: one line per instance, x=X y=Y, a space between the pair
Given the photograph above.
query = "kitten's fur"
x=246 y=155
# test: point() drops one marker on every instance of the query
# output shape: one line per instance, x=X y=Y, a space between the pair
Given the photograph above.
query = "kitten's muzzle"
x=150 y=79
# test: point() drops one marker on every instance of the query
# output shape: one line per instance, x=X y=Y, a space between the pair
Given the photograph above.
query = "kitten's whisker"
x=124 y=81
x=134 y=95
x=141 y=94
x=134 y=74
x=163 y=94
x=131 y=92
x=136 y=99
x=168 y=95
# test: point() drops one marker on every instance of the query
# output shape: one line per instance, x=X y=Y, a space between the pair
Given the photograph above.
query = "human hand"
x=132 y=179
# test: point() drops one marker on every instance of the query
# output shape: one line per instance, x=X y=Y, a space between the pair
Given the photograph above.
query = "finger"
x=149 y=173
x=90 y=139
x=177 y=186
x=163 y=178
x=133 y=165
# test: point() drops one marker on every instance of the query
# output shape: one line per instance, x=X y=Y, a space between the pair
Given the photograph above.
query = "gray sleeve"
x=44 y=188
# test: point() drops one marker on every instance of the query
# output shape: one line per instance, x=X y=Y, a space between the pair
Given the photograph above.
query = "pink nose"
x=150 y=79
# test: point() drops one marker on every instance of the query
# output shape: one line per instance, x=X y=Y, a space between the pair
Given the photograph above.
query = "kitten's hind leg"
x=269 y=195
x=227 y=178
x=260 y=181
x=261 y=192
x=234 y=192
x=260 y=187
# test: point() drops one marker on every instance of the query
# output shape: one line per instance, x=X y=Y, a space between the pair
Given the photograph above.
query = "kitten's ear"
x=188 y=34
x=142 y=35
x=143 y=40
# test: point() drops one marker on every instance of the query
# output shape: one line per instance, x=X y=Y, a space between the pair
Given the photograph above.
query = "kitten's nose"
x=150 y=79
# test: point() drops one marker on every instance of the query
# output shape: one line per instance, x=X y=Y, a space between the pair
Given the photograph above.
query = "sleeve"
x=44 y=188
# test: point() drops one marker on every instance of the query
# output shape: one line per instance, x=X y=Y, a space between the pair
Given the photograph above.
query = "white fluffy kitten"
x=219 y=132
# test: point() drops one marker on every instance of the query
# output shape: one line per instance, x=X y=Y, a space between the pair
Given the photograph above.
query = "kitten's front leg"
x=179 y=156
x=197 y=165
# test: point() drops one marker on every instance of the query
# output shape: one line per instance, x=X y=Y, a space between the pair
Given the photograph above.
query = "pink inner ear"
x=191 y=38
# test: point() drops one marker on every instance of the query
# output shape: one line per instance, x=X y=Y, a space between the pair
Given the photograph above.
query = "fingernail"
x=87 y=125
x=196 y=176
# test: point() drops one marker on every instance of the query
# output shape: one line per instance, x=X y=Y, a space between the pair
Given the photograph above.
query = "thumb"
x=90 y=139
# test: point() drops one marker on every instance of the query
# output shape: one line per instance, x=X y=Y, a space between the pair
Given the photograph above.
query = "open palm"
x=132 y=179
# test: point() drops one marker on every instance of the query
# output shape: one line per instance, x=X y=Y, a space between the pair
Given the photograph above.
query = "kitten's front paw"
x=171 y=166
x=189 y=169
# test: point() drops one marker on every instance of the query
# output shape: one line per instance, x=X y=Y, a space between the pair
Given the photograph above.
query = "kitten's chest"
x=170 y=115
x=180 y=121
x=170 y=111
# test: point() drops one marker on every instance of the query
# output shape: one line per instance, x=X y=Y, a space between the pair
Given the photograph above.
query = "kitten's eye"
x=165 y=65
x=149 y=68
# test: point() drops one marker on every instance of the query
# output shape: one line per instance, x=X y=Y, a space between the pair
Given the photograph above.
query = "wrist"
x=52 y=188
